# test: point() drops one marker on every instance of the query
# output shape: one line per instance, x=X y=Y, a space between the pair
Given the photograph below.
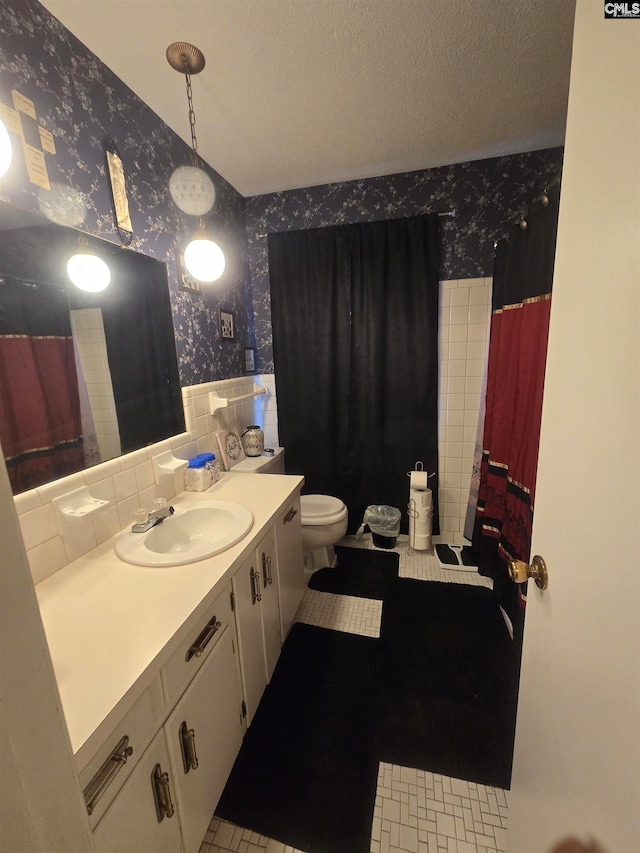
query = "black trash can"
x=384 y=524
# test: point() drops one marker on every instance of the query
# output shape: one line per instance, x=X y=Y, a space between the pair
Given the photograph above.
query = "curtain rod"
x=451 y=213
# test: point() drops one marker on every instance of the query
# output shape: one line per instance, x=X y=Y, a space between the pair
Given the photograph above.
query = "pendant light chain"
x=192 y=114
x=203 y=258
x=192 y=127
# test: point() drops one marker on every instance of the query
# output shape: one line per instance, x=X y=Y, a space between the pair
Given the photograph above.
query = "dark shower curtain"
x=521 y=306
x=141 y=351
x=355 y=318
x=40 y=424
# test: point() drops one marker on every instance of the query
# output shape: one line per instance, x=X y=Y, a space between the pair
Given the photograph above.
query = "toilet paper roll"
x=423 y=498
x=418 y=480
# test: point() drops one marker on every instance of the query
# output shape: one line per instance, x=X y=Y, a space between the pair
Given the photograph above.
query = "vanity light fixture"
x=203 y=258
x=6 y=152
x=86 y=270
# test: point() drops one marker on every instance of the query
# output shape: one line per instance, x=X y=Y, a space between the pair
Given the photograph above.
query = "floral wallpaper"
x=79 y=103
x=488 y=196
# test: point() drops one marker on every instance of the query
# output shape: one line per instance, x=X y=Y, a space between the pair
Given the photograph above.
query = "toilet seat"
x=321 y=510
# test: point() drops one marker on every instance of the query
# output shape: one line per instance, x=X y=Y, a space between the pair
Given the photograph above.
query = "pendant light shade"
x=6 y=152
x=88 y=271
x=203 y=258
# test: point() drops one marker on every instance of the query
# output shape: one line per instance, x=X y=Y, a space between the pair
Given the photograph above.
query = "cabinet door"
x=135 y=819
x=204 y=734
x=247 y=588
x=290 y=563
x=269 y=606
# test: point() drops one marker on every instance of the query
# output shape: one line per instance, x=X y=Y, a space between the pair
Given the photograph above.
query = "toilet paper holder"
x=418 y=478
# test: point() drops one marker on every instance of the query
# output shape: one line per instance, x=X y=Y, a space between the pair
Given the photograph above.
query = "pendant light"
x=86 y=270
x=203 y=258
x=6 y=152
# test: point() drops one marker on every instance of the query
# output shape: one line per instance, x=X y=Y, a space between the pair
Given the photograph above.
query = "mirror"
x=84 y=377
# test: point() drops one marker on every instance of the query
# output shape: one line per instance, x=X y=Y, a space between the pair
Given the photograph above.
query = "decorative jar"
x=253 y=440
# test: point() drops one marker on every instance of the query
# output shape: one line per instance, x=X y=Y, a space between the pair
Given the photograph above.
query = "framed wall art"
x=227 y=325
x=230 y=446
x=185 y=280
x=115 y=171
x=249 y=359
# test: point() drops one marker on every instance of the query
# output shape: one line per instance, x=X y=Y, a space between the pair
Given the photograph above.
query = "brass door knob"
x=519 y=572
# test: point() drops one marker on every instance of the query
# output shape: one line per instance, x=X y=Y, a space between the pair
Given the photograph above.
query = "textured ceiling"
x=303 y=92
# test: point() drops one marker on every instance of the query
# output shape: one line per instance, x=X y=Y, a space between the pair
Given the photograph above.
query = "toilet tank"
x=261 y=464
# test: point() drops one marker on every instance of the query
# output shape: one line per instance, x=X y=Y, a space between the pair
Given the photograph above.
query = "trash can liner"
x=381 y=519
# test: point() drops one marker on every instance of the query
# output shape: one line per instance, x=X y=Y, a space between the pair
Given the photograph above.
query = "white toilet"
x=324 y=522
x=324 y=518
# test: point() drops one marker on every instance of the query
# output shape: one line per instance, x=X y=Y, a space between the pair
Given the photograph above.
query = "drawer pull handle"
x=203 y=639
x=107 y=773
x=256 y=595
x=188 y=744
x=162 y=793
x=267 y=569
x=290 y=516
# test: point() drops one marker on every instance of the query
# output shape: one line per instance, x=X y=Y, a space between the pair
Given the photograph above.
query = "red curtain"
x=40 y=423
x=515 y=380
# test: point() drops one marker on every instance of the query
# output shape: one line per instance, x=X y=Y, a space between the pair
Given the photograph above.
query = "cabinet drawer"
x=111 y=766
x=192 y=653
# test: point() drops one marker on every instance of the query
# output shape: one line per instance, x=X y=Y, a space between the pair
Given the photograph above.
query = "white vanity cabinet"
x=291 y=579
x=168 y=799
x=157 y=704
x=142 y=817
x=204 y=734
x=255 y=589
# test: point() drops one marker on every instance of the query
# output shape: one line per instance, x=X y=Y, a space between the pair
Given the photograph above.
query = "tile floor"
x=415 y=811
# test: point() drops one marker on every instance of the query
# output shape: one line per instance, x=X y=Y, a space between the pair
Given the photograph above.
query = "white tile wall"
x=88 y=334
x=128 y=482
x=465 y=313
x=266 y=410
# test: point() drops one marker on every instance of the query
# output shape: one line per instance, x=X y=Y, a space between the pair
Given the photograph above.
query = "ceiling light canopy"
x=203 y=258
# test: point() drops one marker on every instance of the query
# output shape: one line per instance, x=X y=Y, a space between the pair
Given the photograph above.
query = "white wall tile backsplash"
x=128 y=482
x=91 y=349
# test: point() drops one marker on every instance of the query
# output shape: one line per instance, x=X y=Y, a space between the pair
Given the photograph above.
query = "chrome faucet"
x=155 y=517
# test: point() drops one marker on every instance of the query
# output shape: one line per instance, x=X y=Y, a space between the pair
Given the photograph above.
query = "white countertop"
x=111 y=626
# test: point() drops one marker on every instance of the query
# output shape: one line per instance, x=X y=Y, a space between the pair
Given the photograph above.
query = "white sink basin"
x=192 y=533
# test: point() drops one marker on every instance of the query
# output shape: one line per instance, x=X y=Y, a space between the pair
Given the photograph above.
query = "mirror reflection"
x=84 y=376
